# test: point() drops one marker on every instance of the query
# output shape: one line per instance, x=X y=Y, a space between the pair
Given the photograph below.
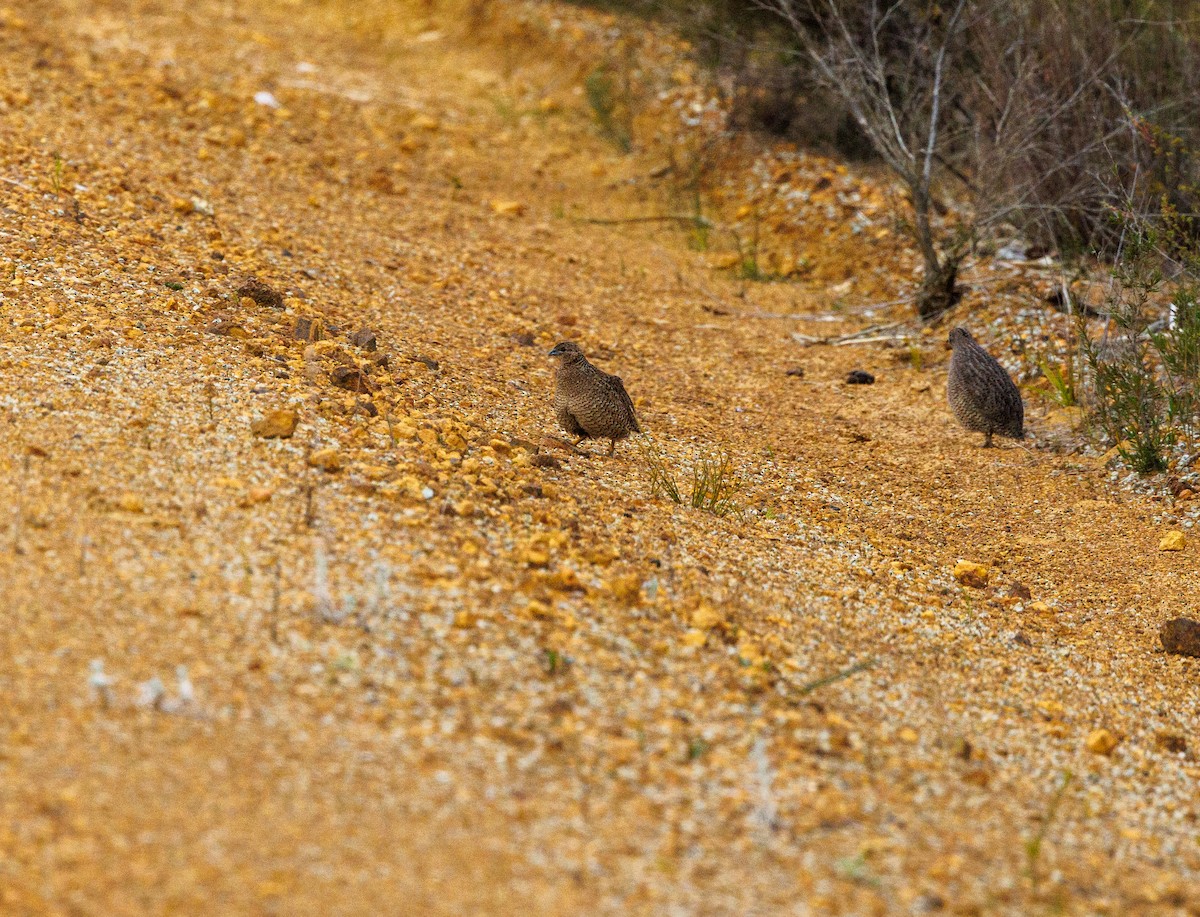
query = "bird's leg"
x=612 y=446
x=578 y=441
x=987 y=440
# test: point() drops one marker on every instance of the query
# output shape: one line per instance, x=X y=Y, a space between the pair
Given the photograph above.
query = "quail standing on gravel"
x=590 y=404
x=981 y=394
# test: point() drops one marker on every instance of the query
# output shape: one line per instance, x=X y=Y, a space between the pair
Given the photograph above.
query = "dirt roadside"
x=430 y=674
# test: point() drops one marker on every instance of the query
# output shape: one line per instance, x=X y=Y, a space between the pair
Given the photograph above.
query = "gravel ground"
x=420 y=657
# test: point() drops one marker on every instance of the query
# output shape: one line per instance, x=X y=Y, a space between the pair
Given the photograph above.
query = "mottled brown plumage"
x=589 y=403
x=982 y=395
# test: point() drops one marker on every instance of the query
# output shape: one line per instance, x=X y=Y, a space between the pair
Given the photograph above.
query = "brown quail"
x=590 y=404
x=981 y=394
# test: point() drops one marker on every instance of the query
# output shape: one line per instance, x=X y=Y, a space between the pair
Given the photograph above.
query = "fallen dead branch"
x=661 y=218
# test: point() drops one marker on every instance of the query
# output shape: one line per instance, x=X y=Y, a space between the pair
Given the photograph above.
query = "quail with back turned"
x=589 y=403
x=982 y=395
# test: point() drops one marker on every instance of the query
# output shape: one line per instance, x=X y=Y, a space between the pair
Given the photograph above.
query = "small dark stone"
x=524 y=339
x=351 y=378
x=261 y=293
x=1020 y=591
x=928 y=903
x=427 y=361
x=797 y=371
x=859 y=377
x=1171 y=741
x=364 y=338
x=380 y=359
x=541 y=460
x=1179 y=485
x=1022 y=639
x=308 y=329
x=368 y=408
x=532 y=490
x=1181 y=636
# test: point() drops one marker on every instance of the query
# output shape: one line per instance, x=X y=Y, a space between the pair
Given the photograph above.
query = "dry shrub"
x=1052 y=113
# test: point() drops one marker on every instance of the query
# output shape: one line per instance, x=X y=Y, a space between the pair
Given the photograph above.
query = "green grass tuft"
x=714 y=485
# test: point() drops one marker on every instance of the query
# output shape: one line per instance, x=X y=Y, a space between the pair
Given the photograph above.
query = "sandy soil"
x=406 y=663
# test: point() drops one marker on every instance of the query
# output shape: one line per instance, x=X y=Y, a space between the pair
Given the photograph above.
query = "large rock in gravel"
x=1181 y=636
x=971 y=574
x=278 y=424
x=1172 y=541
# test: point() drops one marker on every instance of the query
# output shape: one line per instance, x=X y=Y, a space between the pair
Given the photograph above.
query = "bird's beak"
x=555 y=353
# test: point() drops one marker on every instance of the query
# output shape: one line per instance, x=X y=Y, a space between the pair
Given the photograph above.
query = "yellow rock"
x=907 y=735
x=539 y=610
x=564 y=580
x=257 y=495
x=601 y=556
x=377 y=472
x=426 y=123
x=326 y=459
x=694 y=637
x=403 y=429
x=706 y=617
x=750 y=653
x=971 y=574
x=465 y=619
x=508 y=208
x=1040 y=607
x=535 y=557
x=131 y=503
x=627 y=589
x=1051 y=707
x=1172 y=541
x=279 y=424
x=1101 y=742
x=724 y=262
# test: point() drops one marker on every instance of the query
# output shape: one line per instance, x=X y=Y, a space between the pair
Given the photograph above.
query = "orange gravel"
x=400 y=662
